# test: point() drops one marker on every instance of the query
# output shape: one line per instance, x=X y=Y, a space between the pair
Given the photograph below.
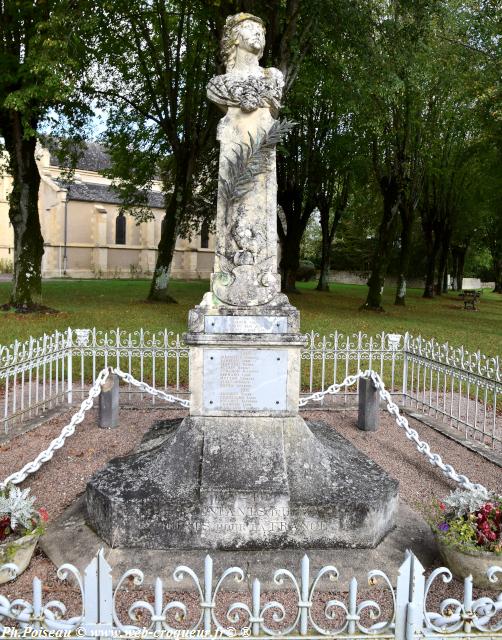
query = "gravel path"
x=419 y=481
x=60 y=481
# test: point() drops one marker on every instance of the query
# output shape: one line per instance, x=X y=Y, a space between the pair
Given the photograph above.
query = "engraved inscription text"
x=245 y=379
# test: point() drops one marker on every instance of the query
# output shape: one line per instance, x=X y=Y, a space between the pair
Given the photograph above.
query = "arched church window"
x=204 y=235
x=120 y=229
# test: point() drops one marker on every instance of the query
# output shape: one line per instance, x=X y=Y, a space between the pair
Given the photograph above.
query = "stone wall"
x=361 y=277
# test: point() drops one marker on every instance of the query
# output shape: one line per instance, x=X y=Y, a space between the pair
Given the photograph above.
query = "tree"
x=156 y=59
x=310 y=175
x=41 y=58
x=399 y=49
x=462 y=136
x=454 y=184
x=490 y=225
x=296 y=198
x=314 y=170
x=337 y=149
x=332 y=203
x=495 y=246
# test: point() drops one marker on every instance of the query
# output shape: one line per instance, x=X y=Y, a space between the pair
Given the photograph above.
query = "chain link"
x=332 y=390
x=127 y=377
x=412 y=435
x=68 y=430
x=422 y=446
x=77 y=418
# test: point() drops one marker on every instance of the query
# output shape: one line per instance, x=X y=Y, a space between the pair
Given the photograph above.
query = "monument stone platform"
x=70 y=539
x=242 y=483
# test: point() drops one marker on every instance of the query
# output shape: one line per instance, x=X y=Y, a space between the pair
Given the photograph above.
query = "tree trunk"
x=454 y=267
x=497 y=268
x=323 y=284
x=443 y=262
x=328 y=233
x=175 y=209
x=432 y=248
x=169 y=233
x=386 y=234
x=459 y=252
x=430 y=271
x=404 y=256
x=326 y=240
x=160 y=280
x=445 y=279
x=290 y=237
x=290 y=258
x=460 y=269
x=23 y=213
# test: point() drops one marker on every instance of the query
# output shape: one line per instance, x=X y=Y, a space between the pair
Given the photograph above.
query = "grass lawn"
x=107 y=304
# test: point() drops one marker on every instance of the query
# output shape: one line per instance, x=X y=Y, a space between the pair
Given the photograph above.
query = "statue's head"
x=242 y=30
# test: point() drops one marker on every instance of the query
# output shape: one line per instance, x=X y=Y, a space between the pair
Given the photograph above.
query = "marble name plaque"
x=245 y=379
x=245 y=324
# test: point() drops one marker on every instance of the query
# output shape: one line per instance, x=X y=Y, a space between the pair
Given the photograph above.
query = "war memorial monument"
x=244 y=470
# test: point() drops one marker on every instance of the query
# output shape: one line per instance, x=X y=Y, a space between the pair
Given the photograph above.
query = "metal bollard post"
x=368 y=418
x=108 y=412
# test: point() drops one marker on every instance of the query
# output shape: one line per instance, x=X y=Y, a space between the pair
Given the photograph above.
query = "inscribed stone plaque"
x=245 y=379
x=245 y=324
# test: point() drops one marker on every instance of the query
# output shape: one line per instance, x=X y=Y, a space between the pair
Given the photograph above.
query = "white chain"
x=333 y=389
x=77 y=418
x=57 y=443
x=127 y=377
x=422 y=446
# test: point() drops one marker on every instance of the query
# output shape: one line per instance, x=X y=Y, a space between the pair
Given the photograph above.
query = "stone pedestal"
x=244 y=361
x=243 y=471
x=242 y=483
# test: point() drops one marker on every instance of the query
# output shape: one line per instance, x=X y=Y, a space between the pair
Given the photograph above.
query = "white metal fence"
x=461 y=388
x=407 y=615
x=35 y=376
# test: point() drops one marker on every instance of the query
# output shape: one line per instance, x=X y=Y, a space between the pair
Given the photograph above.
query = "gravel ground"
x=419 y=481
x=60 y=481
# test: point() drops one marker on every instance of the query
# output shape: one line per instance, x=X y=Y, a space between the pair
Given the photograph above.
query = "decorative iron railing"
x=461 y=388
x=165 y=613
x=35 y=376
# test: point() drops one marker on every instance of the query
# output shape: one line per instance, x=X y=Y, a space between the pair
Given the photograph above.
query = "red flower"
x=5 y=529
x=442 y=506
x=42 y=512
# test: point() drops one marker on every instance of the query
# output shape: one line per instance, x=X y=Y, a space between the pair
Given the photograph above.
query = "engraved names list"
x=245 y=379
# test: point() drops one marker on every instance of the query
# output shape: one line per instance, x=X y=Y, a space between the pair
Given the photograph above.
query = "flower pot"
x=463 y=563
x=18 y=552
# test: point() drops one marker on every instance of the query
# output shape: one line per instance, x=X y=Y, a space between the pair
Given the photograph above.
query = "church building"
x=85 y=235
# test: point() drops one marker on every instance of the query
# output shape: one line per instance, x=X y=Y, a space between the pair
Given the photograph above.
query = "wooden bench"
x=471 y=293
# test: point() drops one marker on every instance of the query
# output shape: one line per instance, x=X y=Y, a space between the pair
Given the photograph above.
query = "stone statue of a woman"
x=245 y=85
x=250 y=96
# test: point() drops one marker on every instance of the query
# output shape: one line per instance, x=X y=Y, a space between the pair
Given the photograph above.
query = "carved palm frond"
x=250 y=161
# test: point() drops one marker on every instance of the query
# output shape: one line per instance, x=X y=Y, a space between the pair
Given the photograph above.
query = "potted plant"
x=468 y=530
x=21 y=524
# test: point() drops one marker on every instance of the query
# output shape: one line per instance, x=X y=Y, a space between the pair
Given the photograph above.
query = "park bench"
x=471 y=292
